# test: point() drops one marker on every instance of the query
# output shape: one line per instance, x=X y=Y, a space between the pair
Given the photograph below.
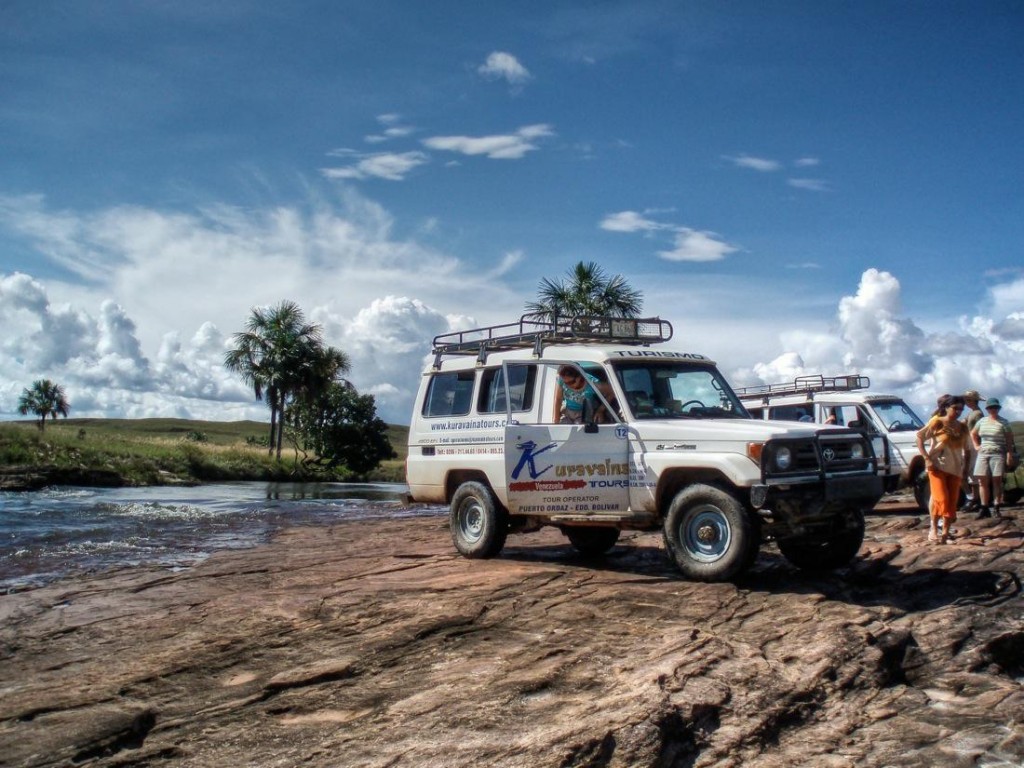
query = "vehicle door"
x=566 y=469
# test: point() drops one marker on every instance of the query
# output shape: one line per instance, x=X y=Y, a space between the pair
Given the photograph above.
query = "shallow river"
x=59 y=531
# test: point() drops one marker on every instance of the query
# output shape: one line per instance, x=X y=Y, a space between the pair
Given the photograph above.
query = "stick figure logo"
x=527 y=458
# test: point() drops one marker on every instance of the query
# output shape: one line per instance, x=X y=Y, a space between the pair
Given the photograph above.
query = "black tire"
x=825 y=554
x=709 y=535
x=922 y=491
x=592 y=540
x=478 y=523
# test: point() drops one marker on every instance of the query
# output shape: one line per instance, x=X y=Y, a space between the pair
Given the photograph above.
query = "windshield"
x=896 y=416
x=677 y=391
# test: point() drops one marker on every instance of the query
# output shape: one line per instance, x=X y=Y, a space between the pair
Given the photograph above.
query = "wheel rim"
x=706 y=534
x=471 y=520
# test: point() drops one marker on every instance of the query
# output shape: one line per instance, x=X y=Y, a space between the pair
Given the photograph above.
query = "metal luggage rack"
x=807 y=385
x=532 y=331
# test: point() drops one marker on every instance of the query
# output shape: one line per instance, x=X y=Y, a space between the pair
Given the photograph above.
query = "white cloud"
x=873 y=338
x=388 y=343
x=688 y=244
x=501 y=147
x=501 y=65
x=629 y=221
x=393 y=166
x=127 y=343
x=693 y=245
x=754 y=163
x=807 y=162
x=812 y=185
x=508 y=262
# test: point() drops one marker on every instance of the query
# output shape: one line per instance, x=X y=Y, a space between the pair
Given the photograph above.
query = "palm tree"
x=274 y=355
x=44 y=398
x=587 y=291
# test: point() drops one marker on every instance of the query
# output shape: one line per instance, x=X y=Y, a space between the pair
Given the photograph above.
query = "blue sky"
x=798 y=186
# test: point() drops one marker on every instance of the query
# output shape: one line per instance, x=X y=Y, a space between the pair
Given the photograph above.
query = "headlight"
x=783 y=458
x=857 y=451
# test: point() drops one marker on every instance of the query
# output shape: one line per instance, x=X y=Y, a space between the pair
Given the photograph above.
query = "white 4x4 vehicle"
x=889 y=423
x=679 y=451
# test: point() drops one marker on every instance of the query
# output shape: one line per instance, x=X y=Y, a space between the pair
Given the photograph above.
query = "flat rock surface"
x=375 y=644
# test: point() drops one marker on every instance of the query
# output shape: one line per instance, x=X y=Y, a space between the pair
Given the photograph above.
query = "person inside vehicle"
x=573 y=391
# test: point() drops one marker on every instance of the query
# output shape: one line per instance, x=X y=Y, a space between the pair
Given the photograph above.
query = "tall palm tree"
x=587 y=290
x=273 y=355
x=44 y=398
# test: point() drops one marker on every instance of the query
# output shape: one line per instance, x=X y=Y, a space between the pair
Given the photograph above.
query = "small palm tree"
x=276 y=355
x=44 y=398
x=587 y=291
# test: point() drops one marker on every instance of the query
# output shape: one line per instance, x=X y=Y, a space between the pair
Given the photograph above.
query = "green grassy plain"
x=161 y=452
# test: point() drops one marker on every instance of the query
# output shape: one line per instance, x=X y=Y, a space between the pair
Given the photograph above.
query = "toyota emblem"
x=828 y=454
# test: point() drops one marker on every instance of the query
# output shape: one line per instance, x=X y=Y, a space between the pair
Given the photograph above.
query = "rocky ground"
x=374 y=644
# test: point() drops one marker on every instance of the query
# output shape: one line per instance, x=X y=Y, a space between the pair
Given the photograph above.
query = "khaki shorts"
x=990 y=465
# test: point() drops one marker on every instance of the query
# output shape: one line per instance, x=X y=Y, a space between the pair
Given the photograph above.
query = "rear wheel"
x=825 y=554
x=478 y=524
x=709 y=535
x=592 y=540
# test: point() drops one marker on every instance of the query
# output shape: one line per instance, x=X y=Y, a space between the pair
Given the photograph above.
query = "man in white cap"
x=974 y=412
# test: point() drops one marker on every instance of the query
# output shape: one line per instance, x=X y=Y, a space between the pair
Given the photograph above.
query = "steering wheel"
x=892 y=427
x=691 y=402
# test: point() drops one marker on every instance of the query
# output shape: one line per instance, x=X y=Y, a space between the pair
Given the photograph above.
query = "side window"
x=449 y=394
x=521 y=386
x=800 y=412
x=756 y=413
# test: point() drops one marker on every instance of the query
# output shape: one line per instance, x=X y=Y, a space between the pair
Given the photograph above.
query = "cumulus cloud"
x=511 y=146
x=388 y=343
x=126 y=342
x=99 y=359
x=504 y=66
x=872 y=337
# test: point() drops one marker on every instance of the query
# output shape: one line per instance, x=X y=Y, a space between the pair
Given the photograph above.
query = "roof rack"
x=536 y=332
x=806 y=385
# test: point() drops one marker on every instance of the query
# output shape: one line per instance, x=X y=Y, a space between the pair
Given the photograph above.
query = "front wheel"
x=478 y=524
x=592 y=540
x=826 y=554
x=709 y=535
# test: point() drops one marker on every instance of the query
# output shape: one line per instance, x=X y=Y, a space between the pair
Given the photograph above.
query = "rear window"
x=449 y=394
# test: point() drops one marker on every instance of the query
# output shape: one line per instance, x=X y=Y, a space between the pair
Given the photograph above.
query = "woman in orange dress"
x=944 y=458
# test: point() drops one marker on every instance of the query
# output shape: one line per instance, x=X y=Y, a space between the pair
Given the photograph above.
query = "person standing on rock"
x=993 y=440
x=943 y=444
x=974 y=412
